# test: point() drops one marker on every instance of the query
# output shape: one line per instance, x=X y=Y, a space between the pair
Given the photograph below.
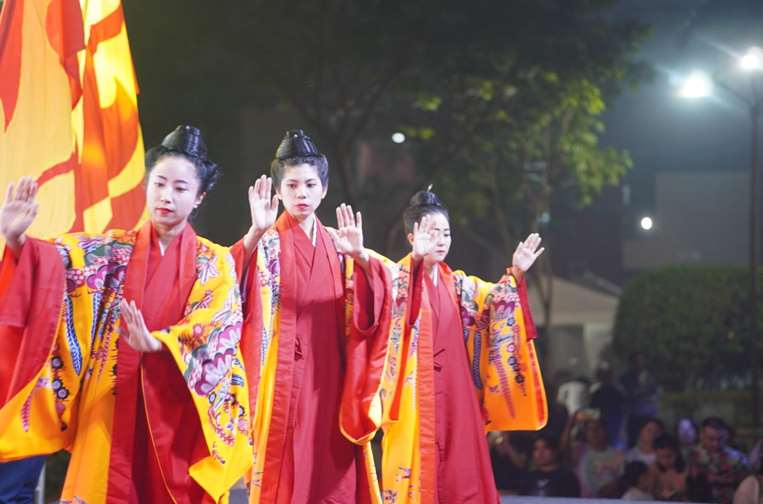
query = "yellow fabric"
x=40 y=419
x=54 y=139
x=512 y=398
x=268 y=275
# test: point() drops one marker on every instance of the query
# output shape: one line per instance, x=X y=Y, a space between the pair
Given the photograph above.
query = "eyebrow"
x=311 y=179
x=181 y=181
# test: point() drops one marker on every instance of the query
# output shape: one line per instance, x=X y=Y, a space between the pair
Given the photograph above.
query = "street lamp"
x=699 y=85
x=646 y=223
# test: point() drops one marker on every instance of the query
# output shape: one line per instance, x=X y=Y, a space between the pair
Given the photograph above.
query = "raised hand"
x=526 y=254
x=424 y=238
x=348 y=237
x=134 y=330
x=18 y=211
x=262 y=206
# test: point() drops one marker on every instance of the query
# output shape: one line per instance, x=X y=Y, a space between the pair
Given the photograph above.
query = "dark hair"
x=552 y=442
x=632 y=473
x=185 y=141
x=297 y=148
x=653 y=420
x=669 y=442
x=422 y=203
x=714 y=423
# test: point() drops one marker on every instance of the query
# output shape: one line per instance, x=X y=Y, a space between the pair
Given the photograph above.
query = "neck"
x=307 y=224
x=168 y=233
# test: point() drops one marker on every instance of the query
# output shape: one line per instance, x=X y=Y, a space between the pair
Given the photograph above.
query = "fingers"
x=274 y=203
x=538 y=253
x=416 y=228
x=359 y=221
x=339 y=217
x=9 y=194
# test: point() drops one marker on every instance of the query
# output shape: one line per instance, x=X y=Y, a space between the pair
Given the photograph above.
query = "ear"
x=410 y=238
x=200 y=198
x=325 y=191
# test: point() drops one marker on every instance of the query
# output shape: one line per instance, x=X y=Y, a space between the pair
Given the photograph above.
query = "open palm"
x=348 y=237
x=424 y=237
x=262 y=206
x=19 y=209
x=527 y=252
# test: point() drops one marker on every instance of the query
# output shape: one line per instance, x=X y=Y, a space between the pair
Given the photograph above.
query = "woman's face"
x=442 y=238
x=666 y=457
x=649 y=433
x=173 y=191
x=301 y=190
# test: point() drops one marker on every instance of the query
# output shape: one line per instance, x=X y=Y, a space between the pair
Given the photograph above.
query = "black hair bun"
x=426 y=198
x=296 y=144
x=187 y=140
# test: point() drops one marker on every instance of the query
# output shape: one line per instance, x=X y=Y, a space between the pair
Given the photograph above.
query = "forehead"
x=300 y=172
x=440 y=222
x=175 y=169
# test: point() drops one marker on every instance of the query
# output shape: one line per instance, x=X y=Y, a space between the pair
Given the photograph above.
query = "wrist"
x=15 y=243
x=516 y=272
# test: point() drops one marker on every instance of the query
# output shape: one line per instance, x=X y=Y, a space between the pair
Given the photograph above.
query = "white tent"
x=582 y=320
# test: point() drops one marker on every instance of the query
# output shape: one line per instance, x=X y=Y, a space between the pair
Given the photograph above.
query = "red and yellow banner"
x=69 y=113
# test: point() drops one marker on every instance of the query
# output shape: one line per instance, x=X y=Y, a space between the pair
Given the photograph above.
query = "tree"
x=690 y=323
x=511 y=128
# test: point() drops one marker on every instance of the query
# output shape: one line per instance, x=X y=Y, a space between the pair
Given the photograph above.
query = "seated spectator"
x=750 y=491
x=669 y=469
x=508 y=453
x=638 y=481
x=722 y=466
x=548 y=478
x=644 y=449
x=597 y=464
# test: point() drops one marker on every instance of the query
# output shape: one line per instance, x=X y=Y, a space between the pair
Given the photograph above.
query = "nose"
x=165 y=194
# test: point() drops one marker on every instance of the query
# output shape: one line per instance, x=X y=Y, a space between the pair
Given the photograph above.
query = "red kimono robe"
x=461 y=362
x=155 y=427
x=312 y=329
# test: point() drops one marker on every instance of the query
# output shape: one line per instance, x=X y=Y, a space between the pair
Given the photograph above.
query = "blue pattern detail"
x=71 y=337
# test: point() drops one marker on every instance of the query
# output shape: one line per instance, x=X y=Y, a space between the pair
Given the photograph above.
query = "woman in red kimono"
x=465 y=364
x=312 y=326
x=123 y=347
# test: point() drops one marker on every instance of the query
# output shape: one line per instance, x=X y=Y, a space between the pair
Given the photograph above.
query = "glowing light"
x=752 y=60
x=696 y=85
x=647 y=223
x=398 y=137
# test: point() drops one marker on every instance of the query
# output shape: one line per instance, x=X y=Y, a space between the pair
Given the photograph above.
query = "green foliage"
x=691 y=323
x=513 y=118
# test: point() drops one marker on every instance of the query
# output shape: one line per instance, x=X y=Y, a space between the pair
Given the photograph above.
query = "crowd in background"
x=606 y=440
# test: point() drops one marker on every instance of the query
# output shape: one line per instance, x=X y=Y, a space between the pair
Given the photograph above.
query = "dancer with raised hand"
x=122 y=347
x=462 y=362
x=316 y=314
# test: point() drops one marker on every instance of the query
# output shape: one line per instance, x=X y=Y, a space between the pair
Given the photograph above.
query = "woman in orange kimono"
x=314 y=336
x=123 y=347
x=461 y=362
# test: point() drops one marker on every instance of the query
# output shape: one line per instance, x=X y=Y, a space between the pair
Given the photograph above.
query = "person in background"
x=723 y=466
x=644 y=449
x=548 y=478
x=638 y=482
x=607 y=397
x=669 y=469
x=641 y=396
